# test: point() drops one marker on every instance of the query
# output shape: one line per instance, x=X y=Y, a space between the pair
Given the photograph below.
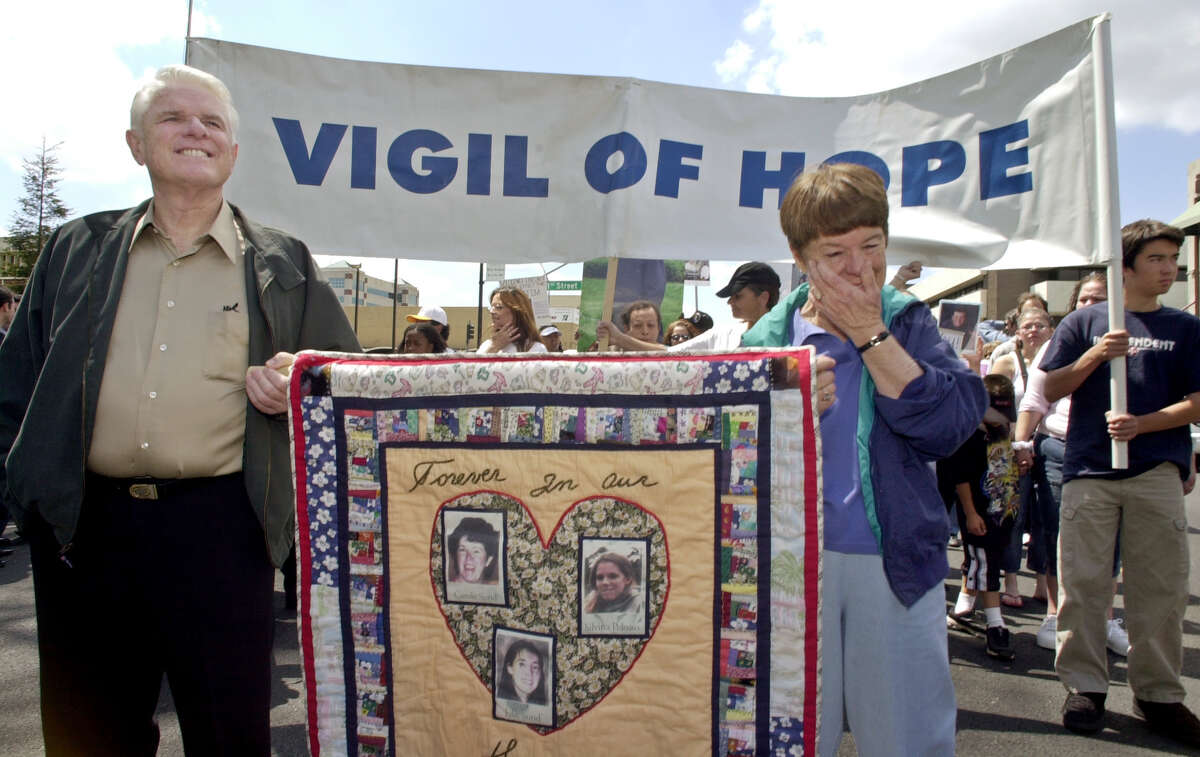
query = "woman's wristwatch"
x=877 y=339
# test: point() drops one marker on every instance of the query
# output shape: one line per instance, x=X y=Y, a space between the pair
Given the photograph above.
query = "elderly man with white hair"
x=143 y=436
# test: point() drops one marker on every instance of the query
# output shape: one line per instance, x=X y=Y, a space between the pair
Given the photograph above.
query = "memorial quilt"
x=558 y=555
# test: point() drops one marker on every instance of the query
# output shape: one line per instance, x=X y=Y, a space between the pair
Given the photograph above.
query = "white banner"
x=990 y=164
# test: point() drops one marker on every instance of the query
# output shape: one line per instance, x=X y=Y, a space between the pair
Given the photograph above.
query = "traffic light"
x=470 y=333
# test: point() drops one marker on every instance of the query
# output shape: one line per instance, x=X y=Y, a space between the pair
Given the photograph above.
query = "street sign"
x=564 y=315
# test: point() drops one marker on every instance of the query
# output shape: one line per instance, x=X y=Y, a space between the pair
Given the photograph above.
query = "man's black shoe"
x=6 y=542
x=1083 y=712
x=999 y=643
x=1172 y=719
x=5 y=552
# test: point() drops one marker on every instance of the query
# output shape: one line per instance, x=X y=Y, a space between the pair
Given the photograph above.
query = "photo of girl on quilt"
x=474 y=556
x=522 y=677
x=614 y=576
x=521 y=674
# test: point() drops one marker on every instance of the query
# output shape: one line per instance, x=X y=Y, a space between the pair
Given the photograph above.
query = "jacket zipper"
x=266 y=503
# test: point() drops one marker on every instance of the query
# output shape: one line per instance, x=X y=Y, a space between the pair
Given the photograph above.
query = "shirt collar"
x=224 y=230
x=804 y=328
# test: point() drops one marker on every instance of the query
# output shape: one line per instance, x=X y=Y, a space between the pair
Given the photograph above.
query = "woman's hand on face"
x=504 y=336
x=853 y=309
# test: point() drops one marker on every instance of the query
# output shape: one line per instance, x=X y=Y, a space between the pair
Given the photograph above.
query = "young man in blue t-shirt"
x=1144 y=501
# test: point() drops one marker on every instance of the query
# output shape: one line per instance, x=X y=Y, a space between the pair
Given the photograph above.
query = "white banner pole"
x=1108 y=219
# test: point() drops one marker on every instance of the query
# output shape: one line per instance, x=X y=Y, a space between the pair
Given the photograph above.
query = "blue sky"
x=782 y=46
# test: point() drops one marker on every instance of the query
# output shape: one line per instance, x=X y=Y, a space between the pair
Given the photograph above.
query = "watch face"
x=874 y=340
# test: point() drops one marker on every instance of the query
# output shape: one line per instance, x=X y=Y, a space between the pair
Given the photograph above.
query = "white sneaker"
x=1118 y=640
x=1046 y=634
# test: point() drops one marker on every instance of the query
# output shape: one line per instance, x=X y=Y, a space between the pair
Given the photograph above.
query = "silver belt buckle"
x=143 y=491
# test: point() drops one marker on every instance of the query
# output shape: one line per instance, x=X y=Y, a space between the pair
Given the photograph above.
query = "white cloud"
x=845 y=48
x=733 y=65
x=755 y=18
x=762 y=75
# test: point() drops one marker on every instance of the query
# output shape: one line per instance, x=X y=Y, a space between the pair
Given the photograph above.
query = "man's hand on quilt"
x=267 y=385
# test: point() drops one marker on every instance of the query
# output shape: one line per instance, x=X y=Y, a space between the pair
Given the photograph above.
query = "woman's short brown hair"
x=832 y=199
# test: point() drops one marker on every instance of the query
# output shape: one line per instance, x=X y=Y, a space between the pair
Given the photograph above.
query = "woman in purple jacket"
x=903 y=400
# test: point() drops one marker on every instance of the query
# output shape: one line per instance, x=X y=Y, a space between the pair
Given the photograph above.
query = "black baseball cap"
x=1002 y=395
x=701 y=320
x=759 y=274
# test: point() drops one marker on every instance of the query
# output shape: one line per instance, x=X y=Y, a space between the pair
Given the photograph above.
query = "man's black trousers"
x=180 y=585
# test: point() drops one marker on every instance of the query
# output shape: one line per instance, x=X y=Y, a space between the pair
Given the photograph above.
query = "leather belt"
x=149 y=488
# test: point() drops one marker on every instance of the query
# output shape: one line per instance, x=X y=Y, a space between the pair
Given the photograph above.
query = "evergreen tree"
x=39 y=210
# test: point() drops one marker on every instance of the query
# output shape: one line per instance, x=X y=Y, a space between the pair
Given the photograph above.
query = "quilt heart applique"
x=538 y=589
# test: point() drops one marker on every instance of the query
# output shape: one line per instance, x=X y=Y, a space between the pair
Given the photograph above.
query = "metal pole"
x=479 y=311
x=188 y=34
x=395 y=294
x=1194 y=273
x=356 y=270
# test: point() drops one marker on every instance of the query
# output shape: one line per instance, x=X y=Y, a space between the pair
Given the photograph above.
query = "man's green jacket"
x=53 y=359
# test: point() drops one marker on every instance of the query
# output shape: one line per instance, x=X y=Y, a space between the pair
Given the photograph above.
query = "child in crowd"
x=981 y=479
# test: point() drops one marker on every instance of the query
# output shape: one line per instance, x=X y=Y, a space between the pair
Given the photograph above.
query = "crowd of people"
x=1002 y=486
x=751 y=292
x=1043 y=472
x=1028 y=514
x=156 y=341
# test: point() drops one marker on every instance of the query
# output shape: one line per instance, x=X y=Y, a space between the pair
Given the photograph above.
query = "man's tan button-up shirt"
x=173 y=398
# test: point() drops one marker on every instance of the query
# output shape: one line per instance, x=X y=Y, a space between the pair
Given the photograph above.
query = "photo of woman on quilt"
x=521 y=676
x=612 y=586
x=473 y=548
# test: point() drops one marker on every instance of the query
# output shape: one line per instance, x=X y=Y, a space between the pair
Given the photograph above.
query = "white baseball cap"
x=430 y=314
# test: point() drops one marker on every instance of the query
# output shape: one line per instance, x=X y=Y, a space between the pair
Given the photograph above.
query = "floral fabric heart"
x=543 y=592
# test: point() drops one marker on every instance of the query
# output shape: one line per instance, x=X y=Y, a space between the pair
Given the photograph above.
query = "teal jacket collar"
x=775 y=330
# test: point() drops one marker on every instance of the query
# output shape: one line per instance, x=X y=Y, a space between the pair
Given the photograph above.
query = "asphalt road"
x=1003 y=708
